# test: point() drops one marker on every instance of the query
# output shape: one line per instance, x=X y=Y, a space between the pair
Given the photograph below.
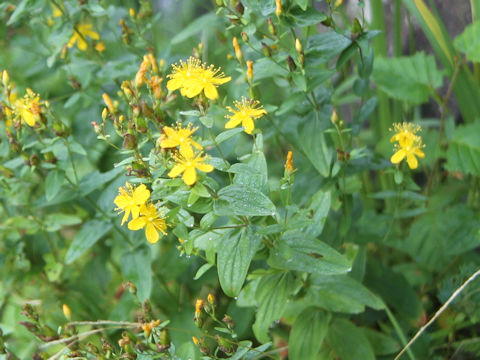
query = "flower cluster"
x=193 y=78
x=187 y=161
x=133 y=200
x=408 y=144
x=80 y=34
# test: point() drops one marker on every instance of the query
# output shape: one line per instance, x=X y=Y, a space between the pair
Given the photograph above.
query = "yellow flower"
x=100 y=47
x=130 y=200
x=409 y=145
x=80 y=33
x=181 y=137
x=245 y=114
x=199 y=306
x=27 y=108
x=188 y=166
x=193 y=77
x=151 y=220
x=148 y=327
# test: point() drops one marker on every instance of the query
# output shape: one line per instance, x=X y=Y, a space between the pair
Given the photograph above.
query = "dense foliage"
x=241 y=179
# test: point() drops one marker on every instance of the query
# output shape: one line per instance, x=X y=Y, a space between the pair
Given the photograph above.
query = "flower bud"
x=211 y=299
x=108 y=102
x=250 y=70
x=238 y=51
x=271 y=27
x=219 y=3
x=104 y=114
x=67 y=312
x=334 y=117
x=266 y=50
x=131 y=12
x=224 y=345
x=244 y=36
x=291 y=63
x=239 y=8
x=289 y=163
x=278 y=10
x=5 y=78
x=298 y=46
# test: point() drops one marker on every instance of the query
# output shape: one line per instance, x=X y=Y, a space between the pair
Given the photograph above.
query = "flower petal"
x=151 y=233
x=398 y=156
x=419 y=153
x=176 y=170
x=189 y=176
x=205 y=167
x=138 y=223
x=211 y=91
x=412 y=161
x=248 y=124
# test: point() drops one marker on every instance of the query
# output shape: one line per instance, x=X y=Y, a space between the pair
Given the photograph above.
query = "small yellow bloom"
x=80 y=34
x=188 y=165
x=131 y=12
x=148 y=327
x=108 y=102
x=245 y=114
x=142 y=71
x=409 y=145
x=278 y=10
x=181 y=137
x=193 y=77
x=130 y=200
x=250 y=70
x=195 y=340
x=151 y=220
x=100 y=46
x=28 y=108
x=211 y=299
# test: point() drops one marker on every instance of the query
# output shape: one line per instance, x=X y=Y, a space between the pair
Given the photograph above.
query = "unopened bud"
x=278 y=11
x=291 y=64
x=238 y=51
x=338 y=3
x=5 y=78
x=131 y=12
x=298 y=46
x=67 y=312
x=104 y=114
x=271 y=27
x=219 y=3
x=211 y=299
x=108 y=102
x=250 y=70
x=244 y=36
x=239 y=8
x=224 y=345
x=195 y=340
x=334 y=117
x=289 y=163
x=153 y=62
x=34 y=160
x=266 y=50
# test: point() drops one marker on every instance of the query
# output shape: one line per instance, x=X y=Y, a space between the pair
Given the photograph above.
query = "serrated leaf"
x=243 y=201
x=89 y=234
x=308 y=332
x=348 y=341
x=410 y=78
x=469 y=42
x=234 y=255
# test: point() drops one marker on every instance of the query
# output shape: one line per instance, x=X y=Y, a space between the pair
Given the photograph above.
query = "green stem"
x=399 y=331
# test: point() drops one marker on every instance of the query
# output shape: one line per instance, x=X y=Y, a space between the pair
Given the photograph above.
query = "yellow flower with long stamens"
x=80 y=34
x=130 y=200
x=409 y=145
x=181 y=137
x=188 y=166
x=151 y=220
x=28 y=108
x=245 y=114
x=193 y=77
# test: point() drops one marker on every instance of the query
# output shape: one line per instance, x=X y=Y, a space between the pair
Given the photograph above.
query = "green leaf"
x=411 y=78
x=233 y=259
x=327 y=45
x=469 y=42
x=252 y=172
x=200 y=24
x=137 y=268
x=20 y=10
x=54 y=222
x=300 y=17
x=348 y=341
x=341 y=293
x=243 y=201
x=89 y=234
x=310 y=255
x=312 y=140
x=463 y=153
x=53 y=183
x=318 y=210
x=302 y=3
x=95 y=180
x=53 y=269
x=308 y=332
x=225 y=135
x=381 y=343
x=272 y=296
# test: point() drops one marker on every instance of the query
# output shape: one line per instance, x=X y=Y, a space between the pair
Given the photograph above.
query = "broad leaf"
x=88 y=235
x=469 y=42
x=243 y=201
x=136 y=267
x=348 y=341
x=463 y=152
x=235 y=252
